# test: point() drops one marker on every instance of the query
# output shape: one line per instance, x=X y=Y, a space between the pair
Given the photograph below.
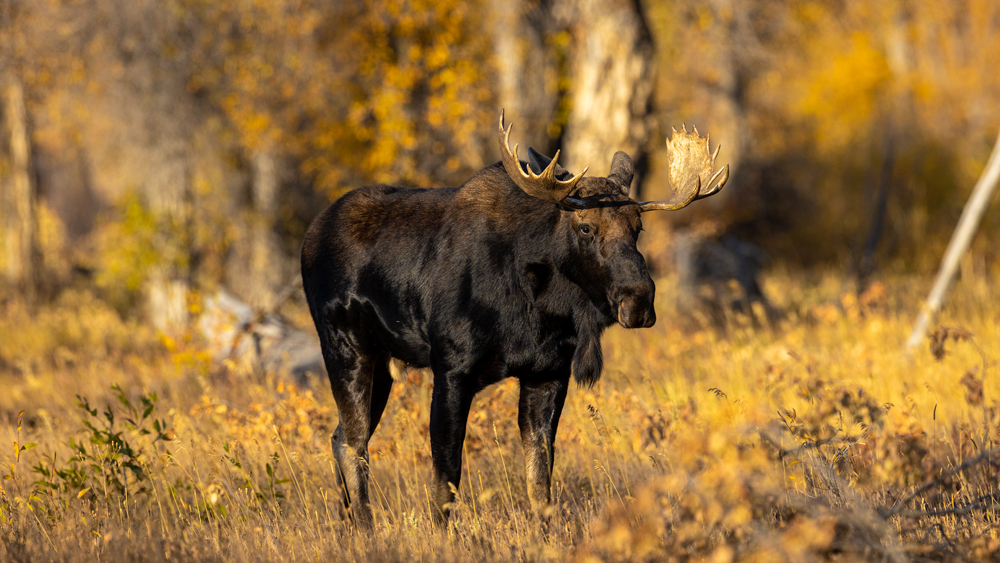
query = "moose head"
x=607 y=221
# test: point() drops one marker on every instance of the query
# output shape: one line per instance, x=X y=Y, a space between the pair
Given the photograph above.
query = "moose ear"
x=539 y=162
x=622 y=170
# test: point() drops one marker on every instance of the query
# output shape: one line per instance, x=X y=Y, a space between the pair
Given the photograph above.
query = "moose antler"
x=543 y=185
x=690 y=161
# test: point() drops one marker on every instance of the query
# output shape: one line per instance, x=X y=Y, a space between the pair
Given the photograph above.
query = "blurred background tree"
x=157 y=149
x=857 y=128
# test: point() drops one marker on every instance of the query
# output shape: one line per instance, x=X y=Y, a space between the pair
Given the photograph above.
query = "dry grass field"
x=813 y=439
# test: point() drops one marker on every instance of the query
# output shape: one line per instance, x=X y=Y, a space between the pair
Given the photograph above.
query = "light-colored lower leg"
x=538 y=474
x=353 y=477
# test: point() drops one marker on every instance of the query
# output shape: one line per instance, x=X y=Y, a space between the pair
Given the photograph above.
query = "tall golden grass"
x=813 y=439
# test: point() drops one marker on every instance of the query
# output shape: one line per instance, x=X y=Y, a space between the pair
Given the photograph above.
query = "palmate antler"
x=690 y=161
x=692 y=167
x=544 y=185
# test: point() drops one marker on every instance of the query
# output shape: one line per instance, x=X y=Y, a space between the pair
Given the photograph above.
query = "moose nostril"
x=650 y=318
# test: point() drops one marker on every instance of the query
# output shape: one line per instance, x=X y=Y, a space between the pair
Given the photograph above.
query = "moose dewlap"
x=515 y=273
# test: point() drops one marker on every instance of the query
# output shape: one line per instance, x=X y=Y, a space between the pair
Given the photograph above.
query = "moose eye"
x=585 y=230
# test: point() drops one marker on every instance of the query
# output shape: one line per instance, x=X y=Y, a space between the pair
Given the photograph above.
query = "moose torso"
x=445 y=277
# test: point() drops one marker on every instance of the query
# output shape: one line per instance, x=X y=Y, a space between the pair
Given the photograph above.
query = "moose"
x=515 y=273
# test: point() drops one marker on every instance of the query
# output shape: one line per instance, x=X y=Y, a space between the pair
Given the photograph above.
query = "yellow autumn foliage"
x=809 y=437
x=803 y=441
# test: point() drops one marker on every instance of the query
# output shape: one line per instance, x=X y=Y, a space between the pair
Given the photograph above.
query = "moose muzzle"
x=635 y=310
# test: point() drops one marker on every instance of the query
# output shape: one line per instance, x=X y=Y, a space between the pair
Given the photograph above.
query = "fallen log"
x=242 y=338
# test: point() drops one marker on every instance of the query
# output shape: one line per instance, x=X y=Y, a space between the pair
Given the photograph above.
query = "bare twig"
x=982 y=502
x=949 y=511
x=939 y=480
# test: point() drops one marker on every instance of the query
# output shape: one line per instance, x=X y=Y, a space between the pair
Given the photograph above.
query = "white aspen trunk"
x=528 y=77
x=612 y=73
x=168 y=190
x=968 y=223
x=265 y=257
x=19 y=219
x=166 y=301
x=728 y=98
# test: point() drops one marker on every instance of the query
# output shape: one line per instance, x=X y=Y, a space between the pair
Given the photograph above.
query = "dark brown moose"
x=516 y=273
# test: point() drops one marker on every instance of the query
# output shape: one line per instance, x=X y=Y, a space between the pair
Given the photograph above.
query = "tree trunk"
x=19 y=205
x=168 y=190
x=265 y=255
x=166 y=300
x=968 y=223
x=728 y=97
x=611 y=67
x=528 y=81
x=866 y=264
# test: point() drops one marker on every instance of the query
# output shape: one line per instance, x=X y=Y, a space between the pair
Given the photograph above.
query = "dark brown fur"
x=478 y=283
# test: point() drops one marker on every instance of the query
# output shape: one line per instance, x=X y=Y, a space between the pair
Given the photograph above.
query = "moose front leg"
x=449 y=413
x=538 y=416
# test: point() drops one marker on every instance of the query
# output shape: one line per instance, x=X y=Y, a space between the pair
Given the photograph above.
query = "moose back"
x=516 y=273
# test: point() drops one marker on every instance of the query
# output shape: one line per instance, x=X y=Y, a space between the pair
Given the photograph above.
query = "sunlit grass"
x=753 y=442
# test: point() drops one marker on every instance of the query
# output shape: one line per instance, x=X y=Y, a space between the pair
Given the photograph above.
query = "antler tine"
x=725 y=178
x=690 y=160
x=544 y=185
x=549 y=174
x=573 y=181
x=505 y=144
x=521 y=169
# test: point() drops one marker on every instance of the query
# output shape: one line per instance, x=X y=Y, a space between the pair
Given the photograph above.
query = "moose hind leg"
x=361 y=389
x=539 y=407
x=449 y=413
